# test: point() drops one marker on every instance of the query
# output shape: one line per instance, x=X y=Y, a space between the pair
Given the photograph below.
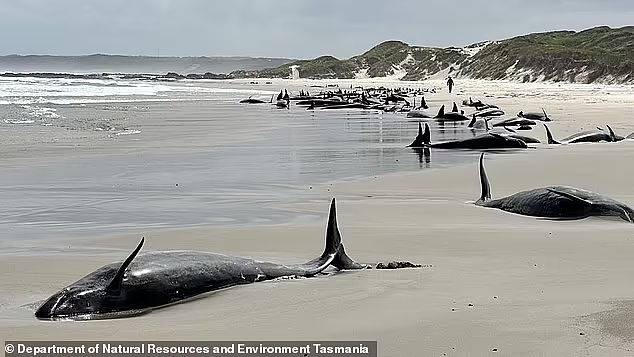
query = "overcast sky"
x=283 y=28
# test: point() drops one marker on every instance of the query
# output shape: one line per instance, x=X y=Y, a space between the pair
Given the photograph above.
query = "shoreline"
x=450 y=282
x=174 y=77
x=536 y=287
x=104 y=147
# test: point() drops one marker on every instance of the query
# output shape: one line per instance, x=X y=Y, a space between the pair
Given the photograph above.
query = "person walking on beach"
x=450 y=83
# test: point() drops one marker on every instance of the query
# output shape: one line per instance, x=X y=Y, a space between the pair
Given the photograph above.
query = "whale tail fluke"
x=344 y=262
x=550 y=136
x=484 y=184
x=333 y=241
x=612 y=135
x=419 y=141
x=441 y=112
x=426 y=136
x=333 y=237
x=334 y=252
x=472 y=122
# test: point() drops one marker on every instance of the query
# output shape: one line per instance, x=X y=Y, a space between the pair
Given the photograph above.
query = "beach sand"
x=493 y=283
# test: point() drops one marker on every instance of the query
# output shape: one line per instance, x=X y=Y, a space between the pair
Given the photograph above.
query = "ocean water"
x=181 y=165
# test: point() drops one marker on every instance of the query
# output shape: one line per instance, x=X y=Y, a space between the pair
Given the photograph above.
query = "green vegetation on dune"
x=321 y=67
x=382 y=60
x=429 y=61
x=325 y=67
x=597 y=54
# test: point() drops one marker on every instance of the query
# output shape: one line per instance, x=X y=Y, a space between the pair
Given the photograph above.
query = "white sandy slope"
x=537 y=287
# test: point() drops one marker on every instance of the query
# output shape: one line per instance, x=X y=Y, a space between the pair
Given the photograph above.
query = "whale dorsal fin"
x=546 y=118
x=484 y=184
x=114 y=288
x=570 y=196
x=454 y=108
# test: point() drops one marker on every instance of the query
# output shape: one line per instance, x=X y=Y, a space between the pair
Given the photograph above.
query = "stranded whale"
x=484 y=141
x=535 y=116
x=156 y=279
x=451 y=116
x=252 y=101
x=556 y=202
x=590 y=136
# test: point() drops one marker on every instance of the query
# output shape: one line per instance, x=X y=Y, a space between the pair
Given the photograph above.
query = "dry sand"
x=537 y=287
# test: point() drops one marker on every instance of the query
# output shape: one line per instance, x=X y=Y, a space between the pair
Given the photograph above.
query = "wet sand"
x=537 y=287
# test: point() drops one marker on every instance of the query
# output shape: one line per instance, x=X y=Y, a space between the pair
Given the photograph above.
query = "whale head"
x=72 y=302
x=508 y=141
x=97 y=295
x=517 y=143
x=605 y=206
x=616 y=209
x=627 y=213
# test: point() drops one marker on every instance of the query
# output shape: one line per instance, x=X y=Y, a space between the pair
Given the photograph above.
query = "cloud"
x=283 y=28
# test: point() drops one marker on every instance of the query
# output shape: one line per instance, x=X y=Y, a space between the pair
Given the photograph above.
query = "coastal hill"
x=600 y=54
